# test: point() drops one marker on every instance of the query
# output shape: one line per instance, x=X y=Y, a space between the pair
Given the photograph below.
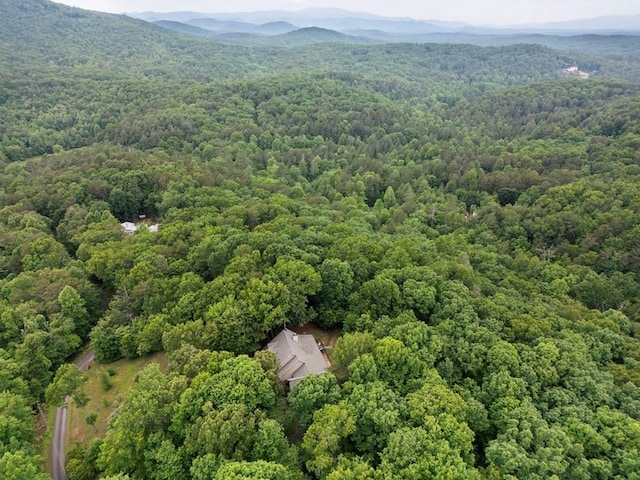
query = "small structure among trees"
x=129 y=227
x=298 y=355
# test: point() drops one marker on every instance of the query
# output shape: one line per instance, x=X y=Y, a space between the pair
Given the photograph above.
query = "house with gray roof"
x=298 y=355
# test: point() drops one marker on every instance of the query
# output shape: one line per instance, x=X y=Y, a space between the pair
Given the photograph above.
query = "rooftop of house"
x=298 y=356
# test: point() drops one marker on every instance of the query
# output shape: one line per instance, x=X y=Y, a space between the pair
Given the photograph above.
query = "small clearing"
x=106 y=387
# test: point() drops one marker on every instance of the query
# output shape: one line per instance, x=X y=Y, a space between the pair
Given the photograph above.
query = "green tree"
x=21 y=466
x=117 y=476
x=352 y=469
x=337 y=284
x=227 y=432
x=231 y=322
x=68 y=382
x=301 y=281
x=413 y=454
x=18 y=426
x=377 y=297
x=237 y=380
x=311 y=394
x=326 y=438
x=73 y=307
x=258 y=470
x=105 y=342
x=349 y=347
x=378 y=411
x=363 y=369
x=146 y=410
x=270 y=443
x=45 y=253
x=397 y=365
x=419 y=297
x=163 y=461
x=206 y=466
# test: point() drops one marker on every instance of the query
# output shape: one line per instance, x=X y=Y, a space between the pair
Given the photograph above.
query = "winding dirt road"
x=58 y=446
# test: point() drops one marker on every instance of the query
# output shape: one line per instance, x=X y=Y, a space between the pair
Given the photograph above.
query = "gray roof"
x=298 y=356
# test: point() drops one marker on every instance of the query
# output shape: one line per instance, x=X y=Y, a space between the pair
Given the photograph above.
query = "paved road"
x=58 y=446
x=58 y=451
x=86 y=360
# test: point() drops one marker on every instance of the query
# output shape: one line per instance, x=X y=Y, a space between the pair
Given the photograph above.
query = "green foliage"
x=270 y=443
x=354 y=469
x=241 y=380
x=311 y=394
x=254 y=470
x=326 y=437
x=379 y=411
x=119 y=476
x=205 y=467
x=68 y=381
x=351 y=346
x=19 y=465
x=397 y=365
x=468 y=218
x=18 y=426
x=227 y=432
x=146 y=411
x=414 y=454
x=81 y=463
x=105 y=380
x=377 y=297
x=91 y=419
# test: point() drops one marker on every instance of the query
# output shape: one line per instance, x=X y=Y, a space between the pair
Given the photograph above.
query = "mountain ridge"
x=335 y=18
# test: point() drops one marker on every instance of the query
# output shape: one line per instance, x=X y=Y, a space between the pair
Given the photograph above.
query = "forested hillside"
x=468 y=217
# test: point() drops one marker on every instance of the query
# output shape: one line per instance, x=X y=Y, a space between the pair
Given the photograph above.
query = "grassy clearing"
x=45 y=433
x=106 y=387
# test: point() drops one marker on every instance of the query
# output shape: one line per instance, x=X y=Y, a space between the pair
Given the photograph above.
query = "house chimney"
x=295 y=337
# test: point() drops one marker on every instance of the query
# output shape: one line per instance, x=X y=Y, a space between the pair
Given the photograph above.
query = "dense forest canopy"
x=469 y=217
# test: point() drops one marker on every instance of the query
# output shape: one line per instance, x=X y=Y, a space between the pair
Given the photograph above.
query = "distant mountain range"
x=604 y=35
x=609 y=24
x=67 y=37
x=276 y=34
x=345 y=21
x=210 y=27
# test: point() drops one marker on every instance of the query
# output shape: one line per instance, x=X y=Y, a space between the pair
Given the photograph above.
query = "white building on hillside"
x=129 y=228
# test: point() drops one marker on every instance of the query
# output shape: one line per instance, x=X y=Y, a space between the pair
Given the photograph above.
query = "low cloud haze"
x=470 y=11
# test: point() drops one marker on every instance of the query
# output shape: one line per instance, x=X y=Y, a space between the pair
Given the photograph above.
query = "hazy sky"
x=470 y=11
